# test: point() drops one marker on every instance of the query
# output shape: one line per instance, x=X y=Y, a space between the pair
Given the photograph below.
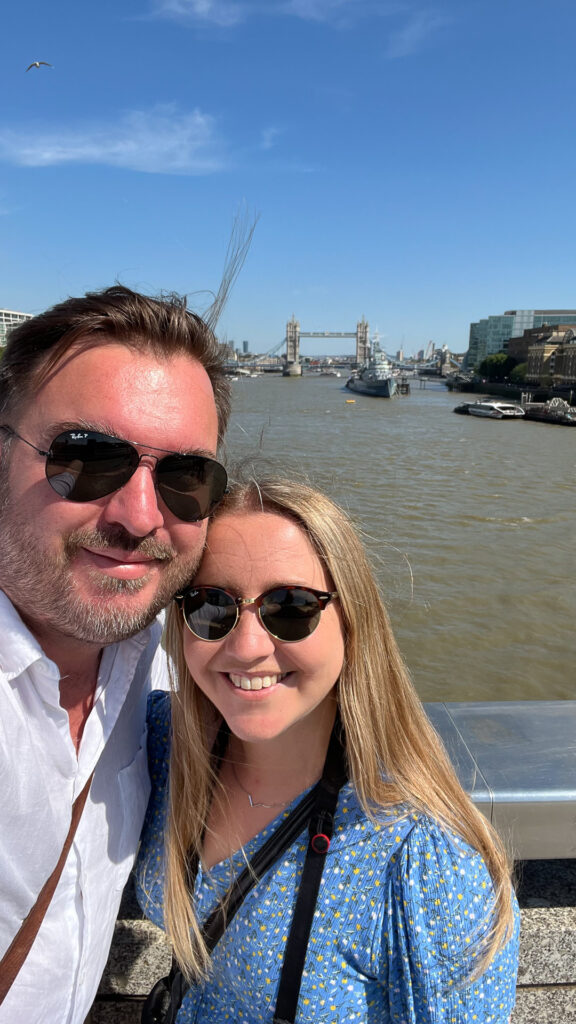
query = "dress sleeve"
x=149 y=868
x=439 y=907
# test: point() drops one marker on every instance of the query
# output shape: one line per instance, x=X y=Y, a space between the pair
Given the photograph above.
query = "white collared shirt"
x=40 y=776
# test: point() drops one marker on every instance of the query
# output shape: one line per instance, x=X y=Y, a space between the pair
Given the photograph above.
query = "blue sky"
x=412 y=162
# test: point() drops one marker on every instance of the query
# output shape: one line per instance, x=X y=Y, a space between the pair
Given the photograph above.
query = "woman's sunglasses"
x=289 y=614
x=83 y=465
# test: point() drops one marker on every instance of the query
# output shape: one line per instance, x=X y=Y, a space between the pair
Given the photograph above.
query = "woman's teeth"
x=254 y=682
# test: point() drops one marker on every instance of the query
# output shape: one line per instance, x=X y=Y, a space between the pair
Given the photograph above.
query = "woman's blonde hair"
x=394 y=755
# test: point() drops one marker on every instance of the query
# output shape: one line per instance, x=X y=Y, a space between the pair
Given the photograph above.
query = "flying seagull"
x=37 y=63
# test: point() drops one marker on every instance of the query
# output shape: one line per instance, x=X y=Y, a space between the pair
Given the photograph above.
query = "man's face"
x=99 y=571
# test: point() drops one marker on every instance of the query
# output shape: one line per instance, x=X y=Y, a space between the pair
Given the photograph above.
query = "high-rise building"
x=491 y=335
x=8 y=319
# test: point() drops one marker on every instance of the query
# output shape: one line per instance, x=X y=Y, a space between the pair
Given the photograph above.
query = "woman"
x=282 y=649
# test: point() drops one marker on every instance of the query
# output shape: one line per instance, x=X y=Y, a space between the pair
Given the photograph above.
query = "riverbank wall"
x=546 y=992
x=513 y=393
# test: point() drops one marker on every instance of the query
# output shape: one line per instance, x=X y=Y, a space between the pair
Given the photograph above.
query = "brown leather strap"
x=21 y=944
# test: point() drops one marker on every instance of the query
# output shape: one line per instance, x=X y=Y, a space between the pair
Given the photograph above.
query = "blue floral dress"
x=400 y=905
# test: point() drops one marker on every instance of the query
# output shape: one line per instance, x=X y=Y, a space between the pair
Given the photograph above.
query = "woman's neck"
x=286 y=764
x=259 y=779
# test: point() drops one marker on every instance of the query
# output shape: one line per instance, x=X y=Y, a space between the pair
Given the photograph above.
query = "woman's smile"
x=259 y=682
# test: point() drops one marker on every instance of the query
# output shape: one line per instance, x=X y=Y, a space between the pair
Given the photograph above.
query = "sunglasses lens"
x=84 y=465
x=191 y=485
x=290 y=613
x=210 y=613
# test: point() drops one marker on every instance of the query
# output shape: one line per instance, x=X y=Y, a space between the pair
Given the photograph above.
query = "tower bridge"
x=293 y=335
x=435 y=360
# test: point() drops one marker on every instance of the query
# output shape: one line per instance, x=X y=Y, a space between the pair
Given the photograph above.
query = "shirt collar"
x=20 y=649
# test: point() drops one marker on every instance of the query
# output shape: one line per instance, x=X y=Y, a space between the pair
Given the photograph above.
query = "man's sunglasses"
x=83 y=465
x=289 y=614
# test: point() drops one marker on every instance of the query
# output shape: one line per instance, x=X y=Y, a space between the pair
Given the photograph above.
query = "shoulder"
x=442 y=900
x=158 y=710
x=433 y=861
x=158 y=714
x=441 y=882
x=158 y=720
x=384 y=831
x=149 y=869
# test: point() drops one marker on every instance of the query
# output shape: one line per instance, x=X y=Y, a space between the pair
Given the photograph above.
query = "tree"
x=497 y=367
x=518 y=374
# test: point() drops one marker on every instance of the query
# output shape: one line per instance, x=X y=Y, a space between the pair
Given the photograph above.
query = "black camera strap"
x=320 y=830
x=316 y=810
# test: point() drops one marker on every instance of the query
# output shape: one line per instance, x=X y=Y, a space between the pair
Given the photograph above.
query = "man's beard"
x=41 y=584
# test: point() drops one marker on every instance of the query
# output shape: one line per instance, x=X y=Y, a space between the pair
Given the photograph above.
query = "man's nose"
x=135 y=506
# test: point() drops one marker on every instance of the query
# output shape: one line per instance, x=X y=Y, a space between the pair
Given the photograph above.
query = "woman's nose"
x=249 y=635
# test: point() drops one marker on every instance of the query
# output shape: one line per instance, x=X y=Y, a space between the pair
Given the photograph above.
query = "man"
x=112 y=407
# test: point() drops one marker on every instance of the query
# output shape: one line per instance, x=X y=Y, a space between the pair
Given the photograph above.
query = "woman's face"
x=261 y=686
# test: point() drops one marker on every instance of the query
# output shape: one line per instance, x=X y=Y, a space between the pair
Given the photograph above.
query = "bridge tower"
x=293 y=341
x=362 y=341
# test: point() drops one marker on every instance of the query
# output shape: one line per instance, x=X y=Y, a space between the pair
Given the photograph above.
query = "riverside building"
x=491 y=335
x=9 y=318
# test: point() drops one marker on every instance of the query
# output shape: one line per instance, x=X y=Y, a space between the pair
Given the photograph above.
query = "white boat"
x=375 y=376
x=496 y=410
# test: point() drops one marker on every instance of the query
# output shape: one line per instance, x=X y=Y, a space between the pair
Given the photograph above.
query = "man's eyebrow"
x=101 y=427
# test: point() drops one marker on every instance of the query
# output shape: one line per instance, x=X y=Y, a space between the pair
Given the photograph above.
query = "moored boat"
x=375 y=376
x=496 y=410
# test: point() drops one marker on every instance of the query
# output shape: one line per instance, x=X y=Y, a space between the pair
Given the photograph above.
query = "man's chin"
x=108 y=622
x=110 y=610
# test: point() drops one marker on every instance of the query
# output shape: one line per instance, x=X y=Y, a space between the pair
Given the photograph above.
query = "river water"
x=469 y=524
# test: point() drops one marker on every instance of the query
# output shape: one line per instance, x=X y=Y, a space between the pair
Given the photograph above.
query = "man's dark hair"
x=162 y=326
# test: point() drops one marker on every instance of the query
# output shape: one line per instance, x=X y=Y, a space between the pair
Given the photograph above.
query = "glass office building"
x=491 y=335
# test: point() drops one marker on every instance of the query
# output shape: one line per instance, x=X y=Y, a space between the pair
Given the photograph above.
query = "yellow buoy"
x=350 y=401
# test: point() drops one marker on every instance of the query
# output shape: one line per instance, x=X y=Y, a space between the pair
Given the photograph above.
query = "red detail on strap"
x=320 y=843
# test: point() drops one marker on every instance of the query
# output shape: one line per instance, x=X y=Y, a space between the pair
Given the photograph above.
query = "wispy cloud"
x=416 y=24
x=317 y=10
x=268 y=137
x=414 y=33
x=218 y=12
x=162 y=140
x=232 y=12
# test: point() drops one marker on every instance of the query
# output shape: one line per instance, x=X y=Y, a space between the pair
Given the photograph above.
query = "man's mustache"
x=118 y=538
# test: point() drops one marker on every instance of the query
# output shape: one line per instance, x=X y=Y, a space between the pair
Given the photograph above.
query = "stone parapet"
x=546 y=991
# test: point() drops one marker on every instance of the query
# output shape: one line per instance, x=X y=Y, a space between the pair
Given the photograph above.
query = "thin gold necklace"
x=253 y=802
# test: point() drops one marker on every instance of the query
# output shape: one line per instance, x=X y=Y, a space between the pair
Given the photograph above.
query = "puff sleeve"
x=438 y=908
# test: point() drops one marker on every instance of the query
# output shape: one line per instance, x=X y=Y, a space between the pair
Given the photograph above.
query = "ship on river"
x=375 y=376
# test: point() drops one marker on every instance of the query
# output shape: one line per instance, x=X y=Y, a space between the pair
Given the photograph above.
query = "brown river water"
x=470 y=524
